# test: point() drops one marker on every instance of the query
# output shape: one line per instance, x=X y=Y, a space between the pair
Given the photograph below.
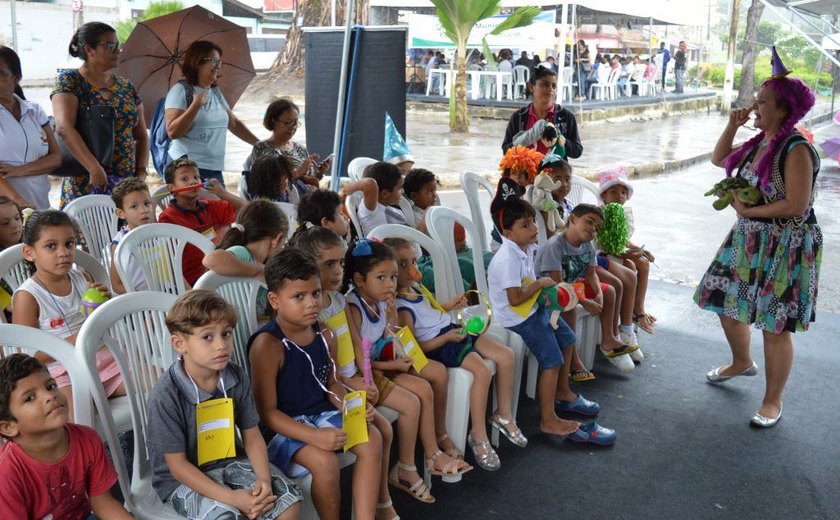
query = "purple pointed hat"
x=779 y=69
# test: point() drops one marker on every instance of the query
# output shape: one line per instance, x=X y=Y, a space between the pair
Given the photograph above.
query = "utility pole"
x=729 y=77
x=14 y=27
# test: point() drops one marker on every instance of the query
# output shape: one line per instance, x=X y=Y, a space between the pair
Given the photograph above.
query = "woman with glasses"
x=28 y=150
x=528 y=124
x=281 y=118
x=95 y=84
x=198 y=128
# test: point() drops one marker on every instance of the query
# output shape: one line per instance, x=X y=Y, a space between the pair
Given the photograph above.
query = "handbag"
x=95 y=125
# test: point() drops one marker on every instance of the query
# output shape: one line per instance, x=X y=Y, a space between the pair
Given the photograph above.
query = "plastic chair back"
x=408 y=210
x=470 y=183
x=242 y=293
x=351 y=204
x=439 y=222
x=29 y=340
x=356 y=167
x=161 y=197
x=291 y=214
x=97 y=218
x=132 y=327
x=583 y=190
x=158 y=249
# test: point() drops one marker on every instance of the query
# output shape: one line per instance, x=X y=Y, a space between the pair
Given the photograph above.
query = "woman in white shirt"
x=28 y=149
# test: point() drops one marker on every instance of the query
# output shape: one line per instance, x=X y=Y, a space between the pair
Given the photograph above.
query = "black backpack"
x=159 y=140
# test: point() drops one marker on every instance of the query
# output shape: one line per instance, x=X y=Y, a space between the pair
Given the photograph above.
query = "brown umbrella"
x=151 y=55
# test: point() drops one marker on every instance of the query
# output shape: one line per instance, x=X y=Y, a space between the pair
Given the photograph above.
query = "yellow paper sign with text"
x=215 y=430
x=412 y=349
x=353 y=420
x=338 y=324
x=524 y=308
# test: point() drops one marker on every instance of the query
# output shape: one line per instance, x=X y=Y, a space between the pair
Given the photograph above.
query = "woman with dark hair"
x=94 y=84
x=583 y=67
x=28 y=149
x=767 y=270
x=198 y=129
x=281 y=119
x=527 y=126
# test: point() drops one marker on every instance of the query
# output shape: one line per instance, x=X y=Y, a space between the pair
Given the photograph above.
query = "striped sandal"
x=418 y=489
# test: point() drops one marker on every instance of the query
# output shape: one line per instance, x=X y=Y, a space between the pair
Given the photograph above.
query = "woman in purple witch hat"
x=767 y=269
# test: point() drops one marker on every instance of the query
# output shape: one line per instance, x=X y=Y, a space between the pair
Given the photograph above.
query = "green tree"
x=154 y=10
x=458 y=17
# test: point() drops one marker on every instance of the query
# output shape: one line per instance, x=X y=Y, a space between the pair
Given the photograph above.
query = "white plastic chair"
x=356 y=167
x=29 y=340
x=132 y=328
x=242 y=293
x=159 y=250
x=408 y=210
x=291 y=214
x=521 y=74
x=565 y=84
x=583 y=190
x=351 y=204
x=439 y=222
x=470 y=183
x=542 y=230
x=161 y=197
x=608 y=90
x=97 y=218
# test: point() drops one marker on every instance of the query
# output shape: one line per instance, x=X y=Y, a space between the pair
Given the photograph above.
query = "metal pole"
x=564 y=33
x=332 y=13
x=342 y=92
x=14 y=27
x=802 y=33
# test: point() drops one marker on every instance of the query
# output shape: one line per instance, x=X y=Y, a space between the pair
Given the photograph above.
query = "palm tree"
x=458 y=17
x=154 y=10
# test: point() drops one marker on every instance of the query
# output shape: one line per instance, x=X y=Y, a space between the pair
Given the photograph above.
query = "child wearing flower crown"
x=520 y=166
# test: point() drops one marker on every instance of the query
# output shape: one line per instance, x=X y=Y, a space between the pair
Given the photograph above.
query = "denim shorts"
x=544 y=342
x=282 y=449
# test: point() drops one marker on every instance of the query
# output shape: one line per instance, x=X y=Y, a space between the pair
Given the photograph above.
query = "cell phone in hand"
x=329 y=158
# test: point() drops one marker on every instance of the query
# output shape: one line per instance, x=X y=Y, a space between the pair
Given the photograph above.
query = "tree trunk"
x=746 y=90
x=461 y=122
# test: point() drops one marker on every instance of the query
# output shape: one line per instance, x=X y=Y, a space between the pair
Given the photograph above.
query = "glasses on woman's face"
x=290 y=124
x=215 y=62
x=112 y=46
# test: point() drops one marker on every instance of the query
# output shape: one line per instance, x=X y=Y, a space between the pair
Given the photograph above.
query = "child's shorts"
x=604 y=262
x=544 y=342
x=452 y=354
x=281 y=449
x=383 y=384
x=590 y=292
x=106 y=365
x=238 y=474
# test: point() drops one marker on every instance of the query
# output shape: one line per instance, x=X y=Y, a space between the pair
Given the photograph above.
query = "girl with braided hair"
x=767 y=269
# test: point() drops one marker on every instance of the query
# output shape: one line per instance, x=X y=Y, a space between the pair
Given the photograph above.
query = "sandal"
x=645 y=322
x=489 y=459
x=451 y=469
x=580 y=375
x=515 y=436
x=453 y=451
x=418 y=490
x=387 y=505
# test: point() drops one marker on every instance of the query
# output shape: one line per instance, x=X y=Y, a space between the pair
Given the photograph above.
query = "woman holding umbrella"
x=198 y=130
x=92 y=84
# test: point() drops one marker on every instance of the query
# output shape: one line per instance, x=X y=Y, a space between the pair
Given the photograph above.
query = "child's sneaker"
x=630 y=338
x=621 y=361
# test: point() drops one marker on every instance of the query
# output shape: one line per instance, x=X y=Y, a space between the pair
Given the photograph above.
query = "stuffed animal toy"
x=542 y=201
x=558 y=299
x=747 y=194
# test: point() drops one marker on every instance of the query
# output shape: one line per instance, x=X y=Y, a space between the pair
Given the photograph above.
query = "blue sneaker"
x=581 y=406
x=593 y=433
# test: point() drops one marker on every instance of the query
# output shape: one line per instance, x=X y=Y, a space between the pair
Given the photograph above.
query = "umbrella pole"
x=342 y=93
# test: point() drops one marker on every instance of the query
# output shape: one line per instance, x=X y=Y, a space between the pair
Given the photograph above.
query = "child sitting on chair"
x=216 y=476
x=11 y=231
x=420 y=189
x=382 y=188
x=135 y=206
x=519 y=166
x=49 y=468
x=323 y=208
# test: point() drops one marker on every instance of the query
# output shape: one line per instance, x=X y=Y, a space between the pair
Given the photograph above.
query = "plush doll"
x=544 y=132
x=558 y=299
x=747 y=194
x=542 y=201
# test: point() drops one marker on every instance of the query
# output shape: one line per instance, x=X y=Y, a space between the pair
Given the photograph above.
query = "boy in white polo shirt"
x=510 y=276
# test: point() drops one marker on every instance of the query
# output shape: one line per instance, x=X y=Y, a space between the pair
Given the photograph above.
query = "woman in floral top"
x=94 y=84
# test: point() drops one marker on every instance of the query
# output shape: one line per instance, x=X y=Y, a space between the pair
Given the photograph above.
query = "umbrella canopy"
x=151 y=55
x=831 y=146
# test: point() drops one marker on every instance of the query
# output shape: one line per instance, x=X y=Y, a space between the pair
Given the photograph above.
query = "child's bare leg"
x=408 y=406
x=570 y=317
x=504 y=359
x=642 y=266
x=627 y=277
x=549 y=422
x=366 y=474
x=325 y=490
x=387 y=433
x=68 y=394
x=563 y=391
x=607 y=278
x=438 y=377
x=478 y=394
x=609 y=338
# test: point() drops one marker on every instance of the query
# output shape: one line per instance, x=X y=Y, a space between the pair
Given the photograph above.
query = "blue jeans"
x=544 y=342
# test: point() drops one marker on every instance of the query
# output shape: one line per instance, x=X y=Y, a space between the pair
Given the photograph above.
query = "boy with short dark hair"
x=200 y=467
x=571 y=257
x=420 y=189
x=513 y=290
x=380 y=196
x=48 y=468
x=134 y=205
x=208 y=217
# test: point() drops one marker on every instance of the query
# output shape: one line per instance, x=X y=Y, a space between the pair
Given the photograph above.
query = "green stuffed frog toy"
x=749 y=195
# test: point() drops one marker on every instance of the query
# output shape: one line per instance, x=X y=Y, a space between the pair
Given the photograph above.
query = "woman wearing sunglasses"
x=94 y=84
x=198 y=127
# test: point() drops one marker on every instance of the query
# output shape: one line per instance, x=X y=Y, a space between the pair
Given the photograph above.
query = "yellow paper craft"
x=524 y=308
x=353 y=420
x=432 y=301
x=412 y=349
x=5 y=299
x=338 y=324
x=216 y=430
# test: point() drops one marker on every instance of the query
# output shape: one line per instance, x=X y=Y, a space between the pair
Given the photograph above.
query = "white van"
x=264 y=49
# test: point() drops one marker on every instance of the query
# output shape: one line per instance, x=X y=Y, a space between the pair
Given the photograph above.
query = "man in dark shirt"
x=680 y=59
x=524 y=60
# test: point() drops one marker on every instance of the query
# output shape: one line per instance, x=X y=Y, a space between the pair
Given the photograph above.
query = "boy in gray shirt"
x=200 y=466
